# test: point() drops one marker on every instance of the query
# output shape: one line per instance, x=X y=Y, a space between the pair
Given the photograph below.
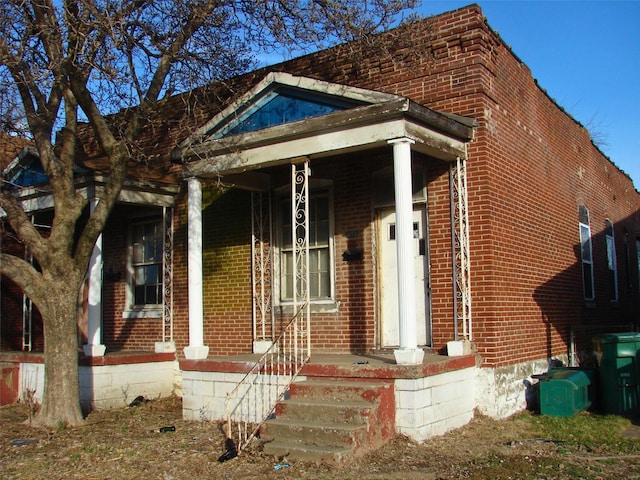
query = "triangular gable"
x=25 y=170
x=282 y=98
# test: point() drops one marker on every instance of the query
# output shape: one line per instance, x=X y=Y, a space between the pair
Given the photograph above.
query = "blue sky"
x=585 y=54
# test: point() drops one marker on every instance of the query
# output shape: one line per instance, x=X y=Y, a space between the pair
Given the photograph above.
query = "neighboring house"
x=437 y=193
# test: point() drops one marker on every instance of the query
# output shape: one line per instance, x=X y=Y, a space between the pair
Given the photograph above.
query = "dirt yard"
x=126 y=444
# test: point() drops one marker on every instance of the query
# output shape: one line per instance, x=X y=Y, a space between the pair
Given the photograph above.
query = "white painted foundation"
x=503 y=391
x=431 y=406
x=425 y=407
x=109 y=386
x=205 y=394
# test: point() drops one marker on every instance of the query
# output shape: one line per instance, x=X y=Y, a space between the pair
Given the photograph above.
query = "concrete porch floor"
x=378 y=365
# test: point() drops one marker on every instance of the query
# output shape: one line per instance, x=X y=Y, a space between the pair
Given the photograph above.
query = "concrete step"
x=338 y=390
x=326 y=410
x=331 y=420
x=323 y=434
x=315 y=453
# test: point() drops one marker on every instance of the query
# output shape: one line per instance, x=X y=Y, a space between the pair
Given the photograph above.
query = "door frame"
x=426 y=292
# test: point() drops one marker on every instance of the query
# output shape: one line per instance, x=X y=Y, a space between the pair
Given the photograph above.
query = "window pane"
x=151 y=294
x=287 y=279
x=586 y=253
x=285 y=220
x=611 y=259
x=585 y=240
x=583 y=214
x=146 y=263
x=152 y=274
x=159 y=243
x=319 y=221
x=314 y=287
x=608 y=227
x=139 y=277
x=323 y=268
x=284 y=108
x=322 y=233
x=319 y=274
x=139 y=295
x=319 y=232
x=138 y=253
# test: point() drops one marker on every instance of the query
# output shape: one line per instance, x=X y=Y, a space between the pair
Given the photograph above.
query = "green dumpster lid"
x=626 y=337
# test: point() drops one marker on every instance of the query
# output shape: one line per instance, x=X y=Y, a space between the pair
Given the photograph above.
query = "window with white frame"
x=611 y=261
x=586 y=254
x=320 y=248
x=145 y=262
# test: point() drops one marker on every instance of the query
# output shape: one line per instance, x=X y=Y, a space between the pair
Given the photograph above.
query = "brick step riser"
x=325 y=413
x=311 y=389
x=323 y=436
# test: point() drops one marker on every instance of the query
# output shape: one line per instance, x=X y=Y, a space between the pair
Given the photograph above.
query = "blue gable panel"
x=30 y=174
x=280 y=107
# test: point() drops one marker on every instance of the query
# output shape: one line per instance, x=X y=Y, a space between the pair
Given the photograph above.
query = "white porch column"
x=94 y=347
x=196 y=349
x=408 y=353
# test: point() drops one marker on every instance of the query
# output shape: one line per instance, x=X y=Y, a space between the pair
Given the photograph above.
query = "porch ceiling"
x=372 y=126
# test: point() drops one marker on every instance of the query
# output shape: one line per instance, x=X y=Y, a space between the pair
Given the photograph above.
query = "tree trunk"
x=61 y=401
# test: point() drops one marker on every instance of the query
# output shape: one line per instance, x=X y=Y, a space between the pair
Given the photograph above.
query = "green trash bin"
x=618 y=355
x=565 y=391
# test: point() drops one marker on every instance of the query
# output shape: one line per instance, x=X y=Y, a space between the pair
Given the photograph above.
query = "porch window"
x=146 y=263
x=611 y=261
x=282 y=105
x=320 y=270
x=586 y=254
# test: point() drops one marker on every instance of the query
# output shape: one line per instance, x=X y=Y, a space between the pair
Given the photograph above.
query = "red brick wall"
x=529 y=166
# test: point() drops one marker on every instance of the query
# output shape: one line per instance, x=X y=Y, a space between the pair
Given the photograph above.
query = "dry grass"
x=123 y=444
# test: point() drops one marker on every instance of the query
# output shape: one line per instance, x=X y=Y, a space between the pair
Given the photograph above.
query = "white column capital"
x=395 y=141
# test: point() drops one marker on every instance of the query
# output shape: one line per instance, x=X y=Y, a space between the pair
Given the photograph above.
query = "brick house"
x=432 y=199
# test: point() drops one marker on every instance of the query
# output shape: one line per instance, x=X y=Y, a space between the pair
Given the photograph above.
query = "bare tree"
x=78 y=61
x=598 y=130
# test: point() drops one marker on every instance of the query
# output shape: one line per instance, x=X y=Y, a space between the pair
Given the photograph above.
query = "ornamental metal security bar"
x=261 y=262
x=460 y=249
x=167 y=277
x=300 y=236
x=254 y=399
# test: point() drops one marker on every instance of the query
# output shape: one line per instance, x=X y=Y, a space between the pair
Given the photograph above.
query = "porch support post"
x=196 y=349
x=408 y=353
x=94 y=347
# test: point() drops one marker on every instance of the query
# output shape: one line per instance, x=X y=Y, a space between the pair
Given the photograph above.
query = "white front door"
x=388 y=278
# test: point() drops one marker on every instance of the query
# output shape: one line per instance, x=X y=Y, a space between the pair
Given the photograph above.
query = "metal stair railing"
x=251 y=403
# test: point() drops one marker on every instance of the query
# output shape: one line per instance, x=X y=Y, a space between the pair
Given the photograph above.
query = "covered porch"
x=372 y=156
x=364 y=148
